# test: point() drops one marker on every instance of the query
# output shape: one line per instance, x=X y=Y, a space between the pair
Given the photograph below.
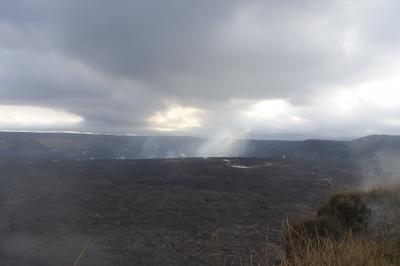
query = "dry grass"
x=348 y=250
x=339 y=233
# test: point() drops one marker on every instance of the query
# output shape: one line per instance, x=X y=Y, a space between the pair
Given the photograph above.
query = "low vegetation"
x=348 y=250
x=351 y=228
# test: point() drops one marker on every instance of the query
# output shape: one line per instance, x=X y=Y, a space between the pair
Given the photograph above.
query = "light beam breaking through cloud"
x=176 y=118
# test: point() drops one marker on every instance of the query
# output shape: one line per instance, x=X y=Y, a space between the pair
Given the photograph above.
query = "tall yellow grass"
x=347 y=250
x=337 y=235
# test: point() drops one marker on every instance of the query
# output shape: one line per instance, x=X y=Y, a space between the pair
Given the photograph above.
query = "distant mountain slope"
x=375 y=143
x=16 y=145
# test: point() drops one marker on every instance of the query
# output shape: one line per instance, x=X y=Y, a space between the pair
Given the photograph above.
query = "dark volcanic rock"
x=154 y=212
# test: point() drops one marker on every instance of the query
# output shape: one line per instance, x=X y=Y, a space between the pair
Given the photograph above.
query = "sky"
x=281 y=69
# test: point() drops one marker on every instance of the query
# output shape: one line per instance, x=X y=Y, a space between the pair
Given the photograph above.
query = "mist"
x=381 y=169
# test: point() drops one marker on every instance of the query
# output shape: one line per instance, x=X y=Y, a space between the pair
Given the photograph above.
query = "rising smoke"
x=382 y=168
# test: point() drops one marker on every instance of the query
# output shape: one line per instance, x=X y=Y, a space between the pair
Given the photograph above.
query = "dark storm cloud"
x=115 y=63
x=207 y=49
x=202 y=49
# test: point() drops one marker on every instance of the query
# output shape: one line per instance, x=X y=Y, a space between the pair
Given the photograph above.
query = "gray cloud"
x=115 y=63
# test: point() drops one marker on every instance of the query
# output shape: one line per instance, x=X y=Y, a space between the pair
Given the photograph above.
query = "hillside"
x=14 y=145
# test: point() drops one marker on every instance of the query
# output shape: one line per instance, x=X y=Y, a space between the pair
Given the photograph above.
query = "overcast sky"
x=258 y=69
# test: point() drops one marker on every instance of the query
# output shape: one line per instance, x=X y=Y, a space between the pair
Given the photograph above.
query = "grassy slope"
x=350 y=228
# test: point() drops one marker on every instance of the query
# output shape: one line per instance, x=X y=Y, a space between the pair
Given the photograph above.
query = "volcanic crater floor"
x=188 y=211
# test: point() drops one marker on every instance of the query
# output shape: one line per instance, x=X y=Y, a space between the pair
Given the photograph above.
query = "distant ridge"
x=87 y=146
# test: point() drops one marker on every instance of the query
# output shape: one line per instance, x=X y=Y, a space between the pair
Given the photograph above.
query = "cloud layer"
x=232 y=68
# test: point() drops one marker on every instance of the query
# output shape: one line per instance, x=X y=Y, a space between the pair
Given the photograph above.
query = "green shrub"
x=338 y=233
x=347 y=208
